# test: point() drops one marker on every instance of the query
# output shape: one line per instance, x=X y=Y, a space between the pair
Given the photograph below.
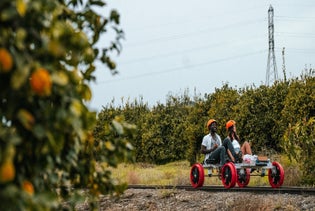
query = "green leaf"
x=97 y=3
x=20 y=77
x=60 y=78
x=39 y=131
x=118 y=127
x=114 y=16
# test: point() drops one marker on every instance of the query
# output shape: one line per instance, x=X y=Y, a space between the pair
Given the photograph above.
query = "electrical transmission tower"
x=271 y=73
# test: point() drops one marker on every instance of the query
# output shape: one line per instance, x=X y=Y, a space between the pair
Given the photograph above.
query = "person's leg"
x=246 y=149
x=219 y=155
x=222 y=155
x=230 y=155
x=229 y=149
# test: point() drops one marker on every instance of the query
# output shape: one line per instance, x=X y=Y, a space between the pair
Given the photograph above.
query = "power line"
x=300 y=50
x=293 y=34
x=197 y=32
x=188 y=19
x=186 y=67
x=214 y=45
x=291 y=18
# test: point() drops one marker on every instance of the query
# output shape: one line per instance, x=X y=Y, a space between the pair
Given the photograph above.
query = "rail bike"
x=238 y=173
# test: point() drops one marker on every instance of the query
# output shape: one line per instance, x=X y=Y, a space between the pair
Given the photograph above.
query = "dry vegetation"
x=177 y=173
x=161 y=199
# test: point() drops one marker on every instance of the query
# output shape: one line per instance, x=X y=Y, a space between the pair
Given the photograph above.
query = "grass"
x=178 y=173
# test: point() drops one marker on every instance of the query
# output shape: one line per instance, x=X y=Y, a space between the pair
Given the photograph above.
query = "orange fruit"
x=7 y=172
x=41 y=82
x=27 y=186
x=6 y=61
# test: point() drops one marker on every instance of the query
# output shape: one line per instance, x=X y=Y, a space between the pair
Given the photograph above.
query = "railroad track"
x=282 y=190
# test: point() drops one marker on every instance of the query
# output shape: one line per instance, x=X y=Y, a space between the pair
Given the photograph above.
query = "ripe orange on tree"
x=7 y=172
x=6 y=61
x=27 y=186
x=41 y=82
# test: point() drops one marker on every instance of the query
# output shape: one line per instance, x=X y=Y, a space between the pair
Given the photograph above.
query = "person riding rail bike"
x=231 y=143
x=211 y=145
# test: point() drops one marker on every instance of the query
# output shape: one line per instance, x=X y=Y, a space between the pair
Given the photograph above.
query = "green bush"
x=163 y=141
x=259 y=116
x=298 y=143
x=299 y=118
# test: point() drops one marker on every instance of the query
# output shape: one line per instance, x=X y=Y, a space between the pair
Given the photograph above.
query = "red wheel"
x=243 y=177
x=276 y=175
x=229 y=175
x=197 y=175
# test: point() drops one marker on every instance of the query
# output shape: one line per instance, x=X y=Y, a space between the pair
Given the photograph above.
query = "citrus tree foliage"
x=47 y=56
x=112 y=143
x=299 y=102
x=135 y=112
x=223 y=104
x=130 y=112
x=298 y=117
x=259 y=116
x=298 y=143
x=196 y=120
x=163 y=140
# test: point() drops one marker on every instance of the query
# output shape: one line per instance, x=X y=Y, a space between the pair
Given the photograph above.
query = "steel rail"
x=259 y=189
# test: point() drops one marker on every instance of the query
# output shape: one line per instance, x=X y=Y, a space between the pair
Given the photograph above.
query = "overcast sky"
x=175 y=45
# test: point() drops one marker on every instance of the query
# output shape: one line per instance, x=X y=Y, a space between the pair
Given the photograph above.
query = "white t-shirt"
x=236 y=146
x=208 y=141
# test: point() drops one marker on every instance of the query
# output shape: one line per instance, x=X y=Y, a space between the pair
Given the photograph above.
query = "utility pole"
x=283 y=65
x=271 y=73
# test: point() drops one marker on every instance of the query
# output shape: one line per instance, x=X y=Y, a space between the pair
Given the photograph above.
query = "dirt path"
x=136 y=199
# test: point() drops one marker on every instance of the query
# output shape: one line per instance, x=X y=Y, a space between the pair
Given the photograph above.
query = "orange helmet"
x=230 y=123
x=210 y=122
